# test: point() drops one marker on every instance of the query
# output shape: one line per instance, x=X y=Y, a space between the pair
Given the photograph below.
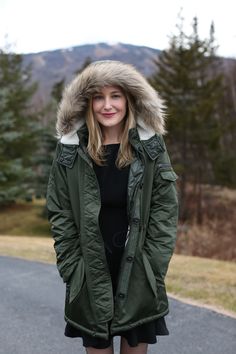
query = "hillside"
x=52 y=66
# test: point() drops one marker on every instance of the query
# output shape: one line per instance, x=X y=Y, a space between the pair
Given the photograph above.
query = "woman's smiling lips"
x=108 y=115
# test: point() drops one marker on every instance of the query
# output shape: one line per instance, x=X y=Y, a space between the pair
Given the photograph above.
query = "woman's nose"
x=107 y=103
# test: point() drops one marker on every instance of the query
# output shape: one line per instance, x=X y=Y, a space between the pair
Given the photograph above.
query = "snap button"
x=121 y=296
x=130 y=259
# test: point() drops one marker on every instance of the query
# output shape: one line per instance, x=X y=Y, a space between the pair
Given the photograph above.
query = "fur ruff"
x=147 y=103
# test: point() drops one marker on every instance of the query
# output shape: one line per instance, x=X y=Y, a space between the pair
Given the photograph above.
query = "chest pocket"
x=67 y=155
x=169 y=175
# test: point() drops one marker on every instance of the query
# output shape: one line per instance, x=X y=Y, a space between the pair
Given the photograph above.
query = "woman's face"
x=109 y=106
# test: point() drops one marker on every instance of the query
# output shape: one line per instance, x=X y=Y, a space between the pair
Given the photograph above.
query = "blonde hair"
x=95 y=139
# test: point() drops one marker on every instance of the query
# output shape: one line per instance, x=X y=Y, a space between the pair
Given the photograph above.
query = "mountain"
x=52 y=66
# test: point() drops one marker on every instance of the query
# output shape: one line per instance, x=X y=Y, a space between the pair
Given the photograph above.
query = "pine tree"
x=86 y=62
x=45 y=152
x=57 y=89
x=18 y=128
x=187 y=80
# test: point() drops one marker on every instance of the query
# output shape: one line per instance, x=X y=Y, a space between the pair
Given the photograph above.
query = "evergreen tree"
x=18 y=128
x=187 y=80
x=84 y=65
x=45 y=152
x=57 y=90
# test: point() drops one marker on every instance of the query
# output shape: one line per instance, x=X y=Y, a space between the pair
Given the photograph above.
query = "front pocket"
x=150 y=274
x=77 y=280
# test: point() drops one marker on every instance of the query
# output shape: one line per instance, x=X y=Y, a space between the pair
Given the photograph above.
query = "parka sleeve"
x=162 y=226
x=64 y=230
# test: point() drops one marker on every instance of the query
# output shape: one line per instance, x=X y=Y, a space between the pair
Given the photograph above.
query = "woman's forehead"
x=109 y=89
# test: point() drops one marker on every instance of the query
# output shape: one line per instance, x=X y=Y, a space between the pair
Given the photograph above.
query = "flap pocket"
x=169 y=175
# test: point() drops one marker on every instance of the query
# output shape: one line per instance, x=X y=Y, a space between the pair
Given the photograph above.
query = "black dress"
x=113 y=224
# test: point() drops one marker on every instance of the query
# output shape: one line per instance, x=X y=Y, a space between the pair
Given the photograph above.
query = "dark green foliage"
x=45 y=153
x=85 y=64
x=57 y=90
x=18 y=128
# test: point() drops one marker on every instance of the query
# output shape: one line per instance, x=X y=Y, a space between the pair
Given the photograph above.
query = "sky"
x=31 y=26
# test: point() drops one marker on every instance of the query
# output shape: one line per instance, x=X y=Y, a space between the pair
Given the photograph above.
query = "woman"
x=113 y=208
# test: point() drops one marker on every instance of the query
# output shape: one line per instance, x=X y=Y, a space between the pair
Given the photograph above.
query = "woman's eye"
x=98 y=97
x=116 y=96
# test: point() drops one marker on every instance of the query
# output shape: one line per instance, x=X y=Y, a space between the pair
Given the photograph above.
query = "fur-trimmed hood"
x=72 y=109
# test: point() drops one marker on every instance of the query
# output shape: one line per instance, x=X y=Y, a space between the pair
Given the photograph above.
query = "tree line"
x=201 y=99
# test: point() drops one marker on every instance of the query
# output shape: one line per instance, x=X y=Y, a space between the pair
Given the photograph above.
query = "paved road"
x=31 y=318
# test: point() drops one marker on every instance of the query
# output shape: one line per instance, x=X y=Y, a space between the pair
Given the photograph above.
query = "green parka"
x=73 y=202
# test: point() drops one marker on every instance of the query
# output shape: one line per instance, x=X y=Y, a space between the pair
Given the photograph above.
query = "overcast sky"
x=34 y=26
